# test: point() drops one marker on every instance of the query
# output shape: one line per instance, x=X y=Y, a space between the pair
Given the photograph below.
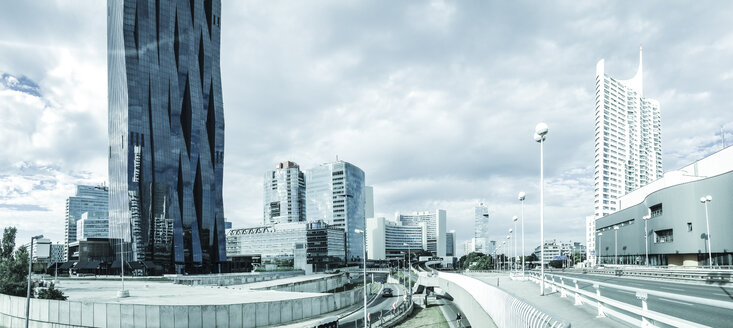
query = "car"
x=387 y=292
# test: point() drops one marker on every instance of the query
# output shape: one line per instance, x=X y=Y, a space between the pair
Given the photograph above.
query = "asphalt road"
x=375 y=308
x=695 y=312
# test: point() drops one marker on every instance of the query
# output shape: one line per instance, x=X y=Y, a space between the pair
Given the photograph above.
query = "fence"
x=689 y=274
x=475 y=297
x=606 y=306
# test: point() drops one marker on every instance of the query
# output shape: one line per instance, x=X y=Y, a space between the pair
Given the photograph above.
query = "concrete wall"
x=51 y=313
x=319 y=285
x=232 y=278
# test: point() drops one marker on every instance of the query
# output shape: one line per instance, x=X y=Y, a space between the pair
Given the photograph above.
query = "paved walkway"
x=578 y=316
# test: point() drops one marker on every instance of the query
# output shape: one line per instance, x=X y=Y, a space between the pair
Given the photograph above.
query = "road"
x=702 y=314
x=375 y=308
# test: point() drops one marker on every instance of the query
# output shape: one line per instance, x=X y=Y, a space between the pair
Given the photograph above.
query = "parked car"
x=387 y=292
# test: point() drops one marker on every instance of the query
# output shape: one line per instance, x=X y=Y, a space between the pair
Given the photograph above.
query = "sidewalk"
x=578 y=316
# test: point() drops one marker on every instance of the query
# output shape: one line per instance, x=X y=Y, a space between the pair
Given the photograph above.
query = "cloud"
x=436 y=101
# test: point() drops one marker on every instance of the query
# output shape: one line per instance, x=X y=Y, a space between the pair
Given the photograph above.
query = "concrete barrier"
x=53 y=313
x=318 y=284
x=228 y=279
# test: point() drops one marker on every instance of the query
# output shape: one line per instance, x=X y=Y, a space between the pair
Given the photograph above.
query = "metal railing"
x=607 y=306
x=690 y=274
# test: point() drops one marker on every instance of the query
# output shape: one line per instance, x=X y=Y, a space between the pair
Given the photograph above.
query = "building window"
x=663 y=236
x=656 y=210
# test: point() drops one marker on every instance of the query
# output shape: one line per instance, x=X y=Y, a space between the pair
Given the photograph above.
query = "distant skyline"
x=435 y=101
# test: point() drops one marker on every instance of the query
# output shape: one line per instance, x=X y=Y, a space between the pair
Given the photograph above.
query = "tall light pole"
x=30 y=272
x=409 y=268
x=515 y=218
x=540 y=131
x=646 y=237
x=521 y=197
x=615 y=245
x=705 y=200
x=599 y=245
x=514 y=250
x=508 y=250
x=363 y=241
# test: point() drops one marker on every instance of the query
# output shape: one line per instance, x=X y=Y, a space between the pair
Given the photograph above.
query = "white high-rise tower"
x=628 y=140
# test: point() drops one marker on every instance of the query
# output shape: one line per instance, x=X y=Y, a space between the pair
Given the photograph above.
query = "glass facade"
x=166 y=133
x=481 y=228
x=284 y=194
x=435 y=225
x=93 y=224
x=87 y=198
x=335 y=194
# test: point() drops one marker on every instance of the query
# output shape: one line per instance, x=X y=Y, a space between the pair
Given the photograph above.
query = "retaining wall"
x=232 y=278
x=318 y=285
x=52 y=313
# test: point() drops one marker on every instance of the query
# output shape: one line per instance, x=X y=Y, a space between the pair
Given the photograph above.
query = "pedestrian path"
x=577 y=316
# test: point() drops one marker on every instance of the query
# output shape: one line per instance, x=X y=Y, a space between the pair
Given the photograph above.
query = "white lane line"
x=673 y=301
x=625 y=291
x=672 y=288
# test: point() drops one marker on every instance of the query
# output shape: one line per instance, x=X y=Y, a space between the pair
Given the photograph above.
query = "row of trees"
x=14 y=270
x=481 y=261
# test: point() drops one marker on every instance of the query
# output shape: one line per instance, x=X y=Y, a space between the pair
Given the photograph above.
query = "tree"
x=14 y=272
x=8 y=242
x=51 y=293
x=556 y=263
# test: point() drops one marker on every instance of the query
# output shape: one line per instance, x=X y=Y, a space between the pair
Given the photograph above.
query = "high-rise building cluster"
x=628 y=143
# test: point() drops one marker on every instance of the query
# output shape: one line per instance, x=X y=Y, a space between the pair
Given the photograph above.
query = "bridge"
x=618 y=296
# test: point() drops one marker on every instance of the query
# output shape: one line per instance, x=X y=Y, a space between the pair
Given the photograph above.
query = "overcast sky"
x=436 y=101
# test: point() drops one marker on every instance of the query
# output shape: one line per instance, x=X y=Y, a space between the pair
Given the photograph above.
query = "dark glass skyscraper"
x=166 y=132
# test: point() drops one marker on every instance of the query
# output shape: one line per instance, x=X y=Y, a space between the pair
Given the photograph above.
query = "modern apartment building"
x=481 y=228
x=628 y=139
x=166 y=133
x=435 y=222
x=87 y=199
x=335 y=194
x=284 y=194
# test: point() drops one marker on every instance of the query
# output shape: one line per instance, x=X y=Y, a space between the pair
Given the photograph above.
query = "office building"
x=481 y=228
x=676 y=229
x=392 y=240
x=335 y=194
x=450 y=244
x=93 y=224
x=369 y=202
x=87 y=199
x=284 y=194
x=556 y=250
x=435 y=222
x=166 y=133
x=628 y=140
x=274 y=243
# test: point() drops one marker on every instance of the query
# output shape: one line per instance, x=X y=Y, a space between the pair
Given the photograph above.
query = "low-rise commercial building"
x=667 y=218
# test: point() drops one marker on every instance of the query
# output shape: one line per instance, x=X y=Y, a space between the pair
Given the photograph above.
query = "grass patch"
x=431 y=317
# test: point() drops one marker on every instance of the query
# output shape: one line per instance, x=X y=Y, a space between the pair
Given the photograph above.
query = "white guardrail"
x=715 y=275
x=608 y=306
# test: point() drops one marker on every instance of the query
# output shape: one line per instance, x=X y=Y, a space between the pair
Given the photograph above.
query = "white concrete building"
x=628 y=140
x=386 y=239
x=435 y=222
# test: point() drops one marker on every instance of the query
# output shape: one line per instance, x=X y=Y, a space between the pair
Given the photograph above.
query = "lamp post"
x=508 y=250
x=599 y=245
x=646 y=237
x=514 y=250
x=30 y=272
x=615 y=245
x=409 y=268
x=363 y=241
x=540 y=132
x=521 y=197
x=515 y=218
x=705 y=200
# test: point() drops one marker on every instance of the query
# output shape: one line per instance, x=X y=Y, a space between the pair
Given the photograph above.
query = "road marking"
x=721 y=294
x=625 y=291
x=680 y=302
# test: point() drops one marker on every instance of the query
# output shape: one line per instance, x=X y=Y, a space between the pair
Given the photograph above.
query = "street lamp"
x=513 y=252
x=615 y=246
x=646 y=237
x=506 y=258
x=515 y=218
x=705 y=200
x=30 y=271
x=540 y=131
x=521 y=197
x=363 y=241
x=599 y=245
x=409 y=268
